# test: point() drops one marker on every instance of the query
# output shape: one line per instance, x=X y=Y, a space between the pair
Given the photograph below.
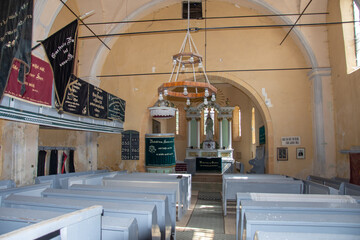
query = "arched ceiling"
x=46 y=13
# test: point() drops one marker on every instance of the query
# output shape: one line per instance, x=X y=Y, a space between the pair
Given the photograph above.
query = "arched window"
x=236 y=122
x=351 y=33
x=177 y=127
x=239 y=114
x=356 y=7
x=253 y=136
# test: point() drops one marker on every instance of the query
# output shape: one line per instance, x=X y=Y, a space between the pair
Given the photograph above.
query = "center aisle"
x=205 y=219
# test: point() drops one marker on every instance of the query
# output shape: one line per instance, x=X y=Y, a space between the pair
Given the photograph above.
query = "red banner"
x=38 y=82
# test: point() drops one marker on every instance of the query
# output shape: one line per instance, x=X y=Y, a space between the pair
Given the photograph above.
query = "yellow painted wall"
x=346 y=82
x=289 y=91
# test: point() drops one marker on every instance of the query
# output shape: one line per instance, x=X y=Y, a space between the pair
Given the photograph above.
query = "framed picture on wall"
x=300 y=153
x=282 y=153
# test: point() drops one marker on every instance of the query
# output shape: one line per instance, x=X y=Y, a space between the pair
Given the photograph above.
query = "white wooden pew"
x=182 y=176
x=111 y=228
x=82 y=224
x=30 y=190
x=54 y=179
x=93 y=179
x=170 y=193
x=349 y=189
x=160 y=201
x=271 y=207
x=183 y=187
x=154 y=183
x=279 y=197
x=261 y=235
x=242 y=176
x=5 y=184
x=310 y=223
x=259 y=186
x=325 y=181
x=226 y=178
x=317 y=188
x=145 y=214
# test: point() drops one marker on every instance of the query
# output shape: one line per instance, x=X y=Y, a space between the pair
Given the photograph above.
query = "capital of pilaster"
x=319 y=72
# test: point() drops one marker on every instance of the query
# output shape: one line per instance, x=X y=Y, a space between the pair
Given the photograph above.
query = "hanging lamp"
x=187 y=57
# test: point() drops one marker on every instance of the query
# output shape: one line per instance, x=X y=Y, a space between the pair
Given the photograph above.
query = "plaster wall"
x=290 y=110
x=346 y=85
x=289 y=91
x=85 y=144
x=19 y=152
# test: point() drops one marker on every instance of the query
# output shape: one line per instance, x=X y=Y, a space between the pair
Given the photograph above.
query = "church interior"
x=210 y=91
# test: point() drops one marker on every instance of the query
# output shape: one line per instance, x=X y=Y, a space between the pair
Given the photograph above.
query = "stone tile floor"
x=205 y=220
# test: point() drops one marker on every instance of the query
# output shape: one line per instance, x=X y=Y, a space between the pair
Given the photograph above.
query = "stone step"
x=207 y=177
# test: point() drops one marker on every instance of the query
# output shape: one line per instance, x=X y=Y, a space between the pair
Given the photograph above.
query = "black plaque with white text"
x=130 y=145
x=116 y=108
x=97 y=102
x=76 y=98
x=210 y=165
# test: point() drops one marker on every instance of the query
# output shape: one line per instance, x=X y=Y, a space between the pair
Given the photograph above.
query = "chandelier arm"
x=189 y=39
x=196 y=90
x=172 y=72
x=182 y=48
x=206 y=77
x=178 y=70
x=193 y=67
x=192 y=40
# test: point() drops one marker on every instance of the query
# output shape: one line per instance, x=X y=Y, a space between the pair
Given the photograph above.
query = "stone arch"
x=260 y=104
x=258 y=101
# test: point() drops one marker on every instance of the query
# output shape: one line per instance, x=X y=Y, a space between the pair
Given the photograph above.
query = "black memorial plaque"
x=135 y=146
x=97 y=102
x=125 y=146
x=76 y=98
x=211 y=165
x=116 y=108
x=130 y=145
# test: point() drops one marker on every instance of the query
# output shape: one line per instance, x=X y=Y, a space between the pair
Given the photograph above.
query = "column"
x=220 y=133
x=230 y=131
x=189 y=132
x=323 y=123
x=198 y=120
x=20 y=152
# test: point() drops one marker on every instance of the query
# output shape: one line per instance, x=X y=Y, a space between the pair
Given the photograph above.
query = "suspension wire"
x=84 y=24
x=302 y=13
x=221 y=28
x=213 y=71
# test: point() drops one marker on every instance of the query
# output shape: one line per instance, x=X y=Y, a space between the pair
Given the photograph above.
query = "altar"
x=225 y=156
x=215 y=151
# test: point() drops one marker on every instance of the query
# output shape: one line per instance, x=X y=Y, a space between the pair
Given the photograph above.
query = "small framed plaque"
x=282 y=153
x=300 y=153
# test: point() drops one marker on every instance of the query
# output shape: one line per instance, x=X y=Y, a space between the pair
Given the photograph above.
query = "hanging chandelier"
x=195 y=88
